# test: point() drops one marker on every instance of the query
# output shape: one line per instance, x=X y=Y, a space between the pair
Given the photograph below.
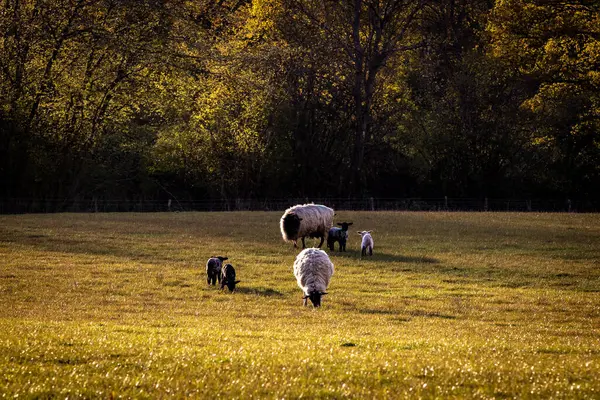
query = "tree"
x=368 y=34
x=555 y=47
x=460 y=132
x=79 y=80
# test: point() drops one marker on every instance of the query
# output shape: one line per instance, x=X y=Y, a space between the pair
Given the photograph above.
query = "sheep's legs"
x=322 y=240
x=320 y=244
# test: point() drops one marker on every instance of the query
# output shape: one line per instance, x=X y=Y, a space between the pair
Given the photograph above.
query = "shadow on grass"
x=89 y=246
x=385 y=257
x=265 y=292
x=152 y=250
x=65 y=244
x=413 y=313
x=377 y=312
x=431 y=314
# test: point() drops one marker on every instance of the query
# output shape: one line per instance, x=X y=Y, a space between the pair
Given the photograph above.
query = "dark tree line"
x=132 y=100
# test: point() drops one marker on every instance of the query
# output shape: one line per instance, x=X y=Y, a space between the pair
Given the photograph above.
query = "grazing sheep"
x=313 y=270
x=213 y=269
x=367 y=243
x=338 y=235
x=300 y=221
x=228 y=277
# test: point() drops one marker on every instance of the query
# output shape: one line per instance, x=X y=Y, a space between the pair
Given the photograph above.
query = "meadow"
x=452 y=305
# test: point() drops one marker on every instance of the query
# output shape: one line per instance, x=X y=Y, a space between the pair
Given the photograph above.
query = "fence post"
x=569 y=205
x=169 y=205
x=485 y=205
x=446 y=203
x=372 y=204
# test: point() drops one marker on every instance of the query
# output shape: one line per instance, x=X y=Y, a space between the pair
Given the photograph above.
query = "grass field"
x=475 y=305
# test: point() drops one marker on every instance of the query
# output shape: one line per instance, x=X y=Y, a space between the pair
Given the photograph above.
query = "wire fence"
x=20 y=206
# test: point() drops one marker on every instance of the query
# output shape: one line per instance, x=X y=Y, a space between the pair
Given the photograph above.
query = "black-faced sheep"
x=213 y=269
x=313 y=270
x=300 y=221
x=339 y=235
x=228 y=277
x=366 y=243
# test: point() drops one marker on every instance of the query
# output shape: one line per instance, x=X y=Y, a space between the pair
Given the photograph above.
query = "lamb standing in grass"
x=300 y=221
x=367 y=243
x=338 y=235
x=313 y=270
x=213 y=269
x=228 y=277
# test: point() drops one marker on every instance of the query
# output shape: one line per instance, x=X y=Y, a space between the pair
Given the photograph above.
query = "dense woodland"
x=152 y=99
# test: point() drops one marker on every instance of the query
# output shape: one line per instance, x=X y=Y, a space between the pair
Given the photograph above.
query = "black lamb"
x=339 y=235
x=213 y=269
x=228 y=277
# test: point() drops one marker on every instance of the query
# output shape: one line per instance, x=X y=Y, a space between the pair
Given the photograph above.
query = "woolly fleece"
x=313 y=270
x=316 y=218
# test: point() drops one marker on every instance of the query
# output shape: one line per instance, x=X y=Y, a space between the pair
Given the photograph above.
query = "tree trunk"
x=360 y=125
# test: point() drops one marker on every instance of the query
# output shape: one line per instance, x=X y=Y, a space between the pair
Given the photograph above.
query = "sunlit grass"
x=451 y=305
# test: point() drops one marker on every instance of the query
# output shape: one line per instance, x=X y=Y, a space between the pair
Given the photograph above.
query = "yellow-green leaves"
x=558 y=47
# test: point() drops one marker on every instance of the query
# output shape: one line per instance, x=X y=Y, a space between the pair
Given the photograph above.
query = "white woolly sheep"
x=300 y=221
x=338 y=235
x=367 y=243
x=313 y=270
x=213 y=269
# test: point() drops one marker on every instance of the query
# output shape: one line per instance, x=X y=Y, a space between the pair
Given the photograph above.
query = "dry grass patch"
x=472 y=305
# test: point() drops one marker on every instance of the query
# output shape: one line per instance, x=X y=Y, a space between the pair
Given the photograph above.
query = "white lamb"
x=313 y=270
x=300 y=221
x=367 y=243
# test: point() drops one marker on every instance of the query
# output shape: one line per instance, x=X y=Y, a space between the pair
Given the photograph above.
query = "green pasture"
x=452 y=305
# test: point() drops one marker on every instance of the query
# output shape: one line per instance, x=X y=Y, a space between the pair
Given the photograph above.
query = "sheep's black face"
x=231 y=284
x=315 y=298
x=291 y=225
x=344 y=225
